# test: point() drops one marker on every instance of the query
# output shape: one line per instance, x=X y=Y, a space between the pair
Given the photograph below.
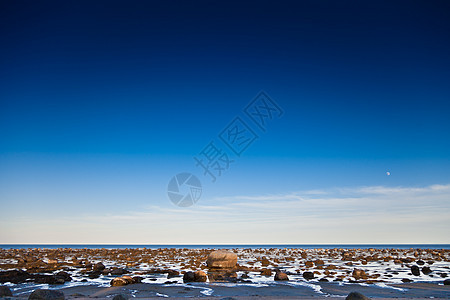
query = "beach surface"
x=253 y=274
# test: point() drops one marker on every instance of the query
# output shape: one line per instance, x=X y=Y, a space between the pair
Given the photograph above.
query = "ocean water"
x=266 y=246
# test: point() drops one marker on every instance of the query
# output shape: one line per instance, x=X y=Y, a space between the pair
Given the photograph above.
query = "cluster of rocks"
x=222 y=267
x=54 y=266
x=20 y=276
x=125 y=280
x=415 y=270
x=197 y=276
x=349 y=263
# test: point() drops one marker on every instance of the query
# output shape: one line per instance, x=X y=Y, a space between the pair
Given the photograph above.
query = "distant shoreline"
x=227 y=246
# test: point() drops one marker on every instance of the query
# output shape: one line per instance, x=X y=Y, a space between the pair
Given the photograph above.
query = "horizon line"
x=226 y=244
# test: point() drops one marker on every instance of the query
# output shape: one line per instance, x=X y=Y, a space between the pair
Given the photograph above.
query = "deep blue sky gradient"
x=103 y=101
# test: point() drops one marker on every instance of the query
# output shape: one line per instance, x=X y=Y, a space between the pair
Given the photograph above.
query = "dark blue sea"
x=267 y=246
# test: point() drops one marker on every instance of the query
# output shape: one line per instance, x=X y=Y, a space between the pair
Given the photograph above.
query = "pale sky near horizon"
x=364 y=215
x=102 y=103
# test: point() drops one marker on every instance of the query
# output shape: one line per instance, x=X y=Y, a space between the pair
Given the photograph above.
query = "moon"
x=388 y=173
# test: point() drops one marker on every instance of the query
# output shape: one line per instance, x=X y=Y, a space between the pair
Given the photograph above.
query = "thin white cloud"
x=371 y=214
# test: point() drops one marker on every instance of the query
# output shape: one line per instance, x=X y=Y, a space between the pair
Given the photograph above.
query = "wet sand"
x=410 y=291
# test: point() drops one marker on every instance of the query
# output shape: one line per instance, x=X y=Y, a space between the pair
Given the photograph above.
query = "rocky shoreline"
x=316 y=270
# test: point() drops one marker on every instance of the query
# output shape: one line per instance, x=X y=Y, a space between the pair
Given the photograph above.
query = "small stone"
x=280 y=276
x=357 y=274
x=420 y=262
x=265 y=262
x=189 y=277
x=172 y=273
x=426 y=270
x=356 y=296
x=308 y=275
x=120 y=297
x=266 y=272
x=200 y=276
x=447 y=282
x=119 y=271
x=415 y=270
x=40 y=294
x=64 y=275
x=319 y=262
x=98 y=267
x=309 y=264
x=94 y=274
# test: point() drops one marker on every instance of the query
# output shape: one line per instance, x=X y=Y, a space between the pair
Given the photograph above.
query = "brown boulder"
x=266 y=272
x=129 y=279
x=357 y=274
x=319 y=262
x=98 y=267
x=280 y=276
x=222 y=259
x=118 y=281
x=200 y=276
x=265 y=262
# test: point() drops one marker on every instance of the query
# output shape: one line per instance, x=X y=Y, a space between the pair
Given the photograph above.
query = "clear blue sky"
x=102 y=103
